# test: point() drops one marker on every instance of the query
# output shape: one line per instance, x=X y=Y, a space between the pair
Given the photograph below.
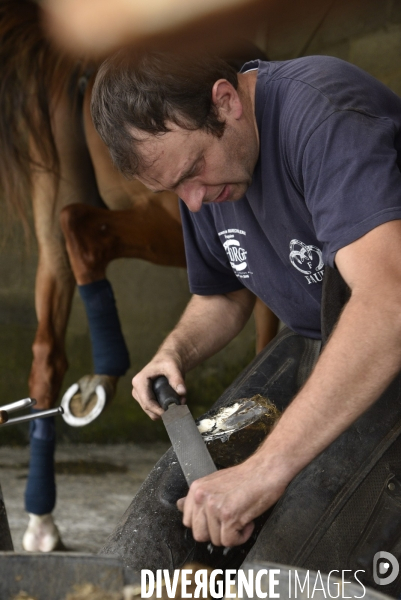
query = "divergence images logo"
x=308 y=260
x=385 y=568
x=236 y=254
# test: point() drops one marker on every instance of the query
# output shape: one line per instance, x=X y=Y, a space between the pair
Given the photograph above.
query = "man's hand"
x=164 y=363
x=221 y=507
x=207 y=325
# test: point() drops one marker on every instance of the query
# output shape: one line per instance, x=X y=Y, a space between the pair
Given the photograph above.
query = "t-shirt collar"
x=252 y=66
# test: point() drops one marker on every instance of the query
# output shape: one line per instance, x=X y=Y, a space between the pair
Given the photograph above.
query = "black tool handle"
x=165 y=395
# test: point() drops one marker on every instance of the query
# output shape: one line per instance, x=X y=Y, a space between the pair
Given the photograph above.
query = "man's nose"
x=192 y=194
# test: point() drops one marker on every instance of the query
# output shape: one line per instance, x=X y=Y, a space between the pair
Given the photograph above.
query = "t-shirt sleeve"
x=351 y=179
x=209 y=271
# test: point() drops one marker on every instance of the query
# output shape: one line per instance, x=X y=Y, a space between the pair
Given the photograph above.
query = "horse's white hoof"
x=42 y=534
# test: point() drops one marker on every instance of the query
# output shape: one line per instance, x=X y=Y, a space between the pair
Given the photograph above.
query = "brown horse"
x=64 y=169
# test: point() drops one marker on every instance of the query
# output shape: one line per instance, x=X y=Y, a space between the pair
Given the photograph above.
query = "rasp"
x=188 y=444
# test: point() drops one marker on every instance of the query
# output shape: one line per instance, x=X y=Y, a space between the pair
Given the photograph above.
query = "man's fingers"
x=154 y=416
x=195 y=518
x=201 y=516
x=149 y=403
x=181 y=503
x=142 y=383
x=204 y=528
x=176 y=380
x=185 y=505
x=230 y=536
x=144 y=396
x=180 y=389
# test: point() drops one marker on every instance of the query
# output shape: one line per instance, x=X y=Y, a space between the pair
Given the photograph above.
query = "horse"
x=85 y=215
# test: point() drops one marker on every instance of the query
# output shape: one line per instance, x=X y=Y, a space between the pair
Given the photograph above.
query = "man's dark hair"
x=147 y=91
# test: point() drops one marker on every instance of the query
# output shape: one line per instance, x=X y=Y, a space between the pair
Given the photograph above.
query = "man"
x=282 y=169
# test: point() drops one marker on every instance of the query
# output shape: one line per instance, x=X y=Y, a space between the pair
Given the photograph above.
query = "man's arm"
x=360 y=360
x=207 y=325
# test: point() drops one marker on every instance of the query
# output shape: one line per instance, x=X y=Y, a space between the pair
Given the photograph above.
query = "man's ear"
x=226 y=99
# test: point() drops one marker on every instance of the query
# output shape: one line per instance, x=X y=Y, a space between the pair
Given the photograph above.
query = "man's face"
x=199 y=167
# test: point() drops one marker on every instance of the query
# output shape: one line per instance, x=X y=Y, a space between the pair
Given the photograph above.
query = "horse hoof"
x=84 y=401
x=42 y=534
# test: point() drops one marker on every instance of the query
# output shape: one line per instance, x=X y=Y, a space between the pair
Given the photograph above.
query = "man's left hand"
x=221 y=507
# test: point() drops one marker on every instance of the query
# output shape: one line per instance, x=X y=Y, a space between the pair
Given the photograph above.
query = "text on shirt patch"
x=237 y=255
x=308 y=260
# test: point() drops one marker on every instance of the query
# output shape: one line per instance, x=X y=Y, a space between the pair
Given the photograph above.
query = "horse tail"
x=33 y=73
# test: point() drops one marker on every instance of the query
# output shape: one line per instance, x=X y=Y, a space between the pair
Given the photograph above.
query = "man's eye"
x=196 y=170
x=193 y=173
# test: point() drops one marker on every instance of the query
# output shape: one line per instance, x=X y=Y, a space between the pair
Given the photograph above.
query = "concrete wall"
x=150 y=298
x=366 y=33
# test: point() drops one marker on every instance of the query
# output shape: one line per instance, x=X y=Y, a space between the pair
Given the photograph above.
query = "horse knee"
x=73 y=220
x=87 y=256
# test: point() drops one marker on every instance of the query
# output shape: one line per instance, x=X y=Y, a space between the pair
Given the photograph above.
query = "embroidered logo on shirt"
x=237 y=255
x=308 y=260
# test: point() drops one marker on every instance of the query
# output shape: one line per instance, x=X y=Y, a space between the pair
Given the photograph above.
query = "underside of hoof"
x=85 y=400
x=42 y=534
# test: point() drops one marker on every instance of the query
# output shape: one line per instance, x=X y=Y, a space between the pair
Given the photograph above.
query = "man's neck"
x=246 y=90
x=247 y=85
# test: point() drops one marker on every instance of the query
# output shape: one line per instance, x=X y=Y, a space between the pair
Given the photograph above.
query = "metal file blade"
x=188 y=444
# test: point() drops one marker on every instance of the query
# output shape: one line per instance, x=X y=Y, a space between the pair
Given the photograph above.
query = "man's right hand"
x=207 y=325
x=163 y=363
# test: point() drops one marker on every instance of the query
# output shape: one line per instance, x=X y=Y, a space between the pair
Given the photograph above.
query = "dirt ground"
x=95 y=485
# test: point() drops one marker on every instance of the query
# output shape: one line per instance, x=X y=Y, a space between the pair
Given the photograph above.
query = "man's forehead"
x=149 y=145
x=174 y=132
x=165 y=156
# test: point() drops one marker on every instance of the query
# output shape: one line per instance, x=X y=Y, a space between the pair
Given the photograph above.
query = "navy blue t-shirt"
x=328 y=172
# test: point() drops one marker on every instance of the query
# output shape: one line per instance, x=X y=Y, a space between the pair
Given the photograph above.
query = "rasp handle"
x=165 y=395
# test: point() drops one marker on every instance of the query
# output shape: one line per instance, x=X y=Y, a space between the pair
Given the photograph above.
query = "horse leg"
x=53 y=296
x=94 y=237
x=266 y=324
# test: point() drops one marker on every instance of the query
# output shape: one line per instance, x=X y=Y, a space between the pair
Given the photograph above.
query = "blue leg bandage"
x=40 y=493
x=109 y=351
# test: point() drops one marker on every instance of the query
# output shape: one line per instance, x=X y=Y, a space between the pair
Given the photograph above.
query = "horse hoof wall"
x=42 y=534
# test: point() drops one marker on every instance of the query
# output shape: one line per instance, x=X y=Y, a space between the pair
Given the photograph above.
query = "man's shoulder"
x=308 y=68
x=342 y=84
x=301 y=93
